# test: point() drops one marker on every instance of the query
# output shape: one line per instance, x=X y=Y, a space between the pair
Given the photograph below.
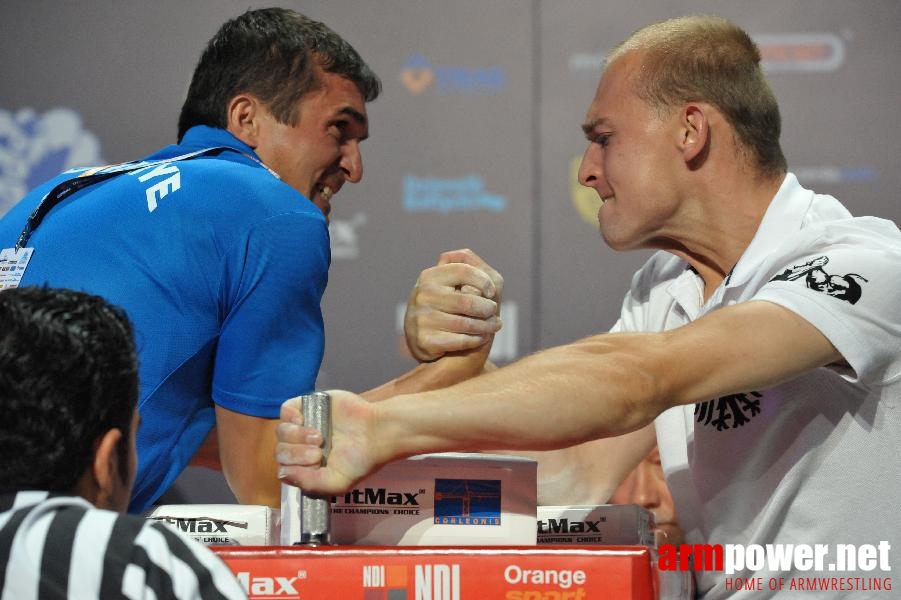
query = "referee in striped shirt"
x=68 y=392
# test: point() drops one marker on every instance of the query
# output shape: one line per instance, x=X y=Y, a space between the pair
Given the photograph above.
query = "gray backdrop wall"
x=474 y=141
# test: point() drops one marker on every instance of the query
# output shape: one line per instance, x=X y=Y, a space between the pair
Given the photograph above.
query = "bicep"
x=247 y=454
x=745 y=346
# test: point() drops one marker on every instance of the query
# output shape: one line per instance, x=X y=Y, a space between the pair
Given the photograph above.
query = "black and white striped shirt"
x=54 y=546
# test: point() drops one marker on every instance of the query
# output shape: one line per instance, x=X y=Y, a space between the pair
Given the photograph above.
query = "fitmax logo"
x=259 y=587
x=201 y=525
x=567 y=526
x=379 y=496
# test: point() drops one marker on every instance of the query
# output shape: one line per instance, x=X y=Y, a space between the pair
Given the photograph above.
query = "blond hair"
x=709 y=59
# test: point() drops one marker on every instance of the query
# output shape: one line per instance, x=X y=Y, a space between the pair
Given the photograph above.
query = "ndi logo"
x=430 y=582
x=467 y=501
x=35 y=148
x=437 y=582
x=463 y=194
x=418 y=75
x=385 y=581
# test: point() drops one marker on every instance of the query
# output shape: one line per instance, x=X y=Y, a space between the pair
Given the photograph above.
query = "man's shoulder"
x=852 y=233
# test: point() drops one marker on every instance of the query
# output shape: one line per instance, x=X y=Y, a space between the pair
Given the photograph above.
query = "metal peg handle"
x=315 y=513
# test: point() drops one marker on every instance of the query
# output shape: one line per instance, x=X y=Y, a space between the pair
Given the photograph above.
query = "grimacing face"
x=630 y=160
x=321 y=152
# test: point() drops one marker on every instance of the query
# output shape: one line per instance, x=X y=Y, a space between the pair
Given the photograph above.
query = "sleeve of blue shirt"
x=272 y=340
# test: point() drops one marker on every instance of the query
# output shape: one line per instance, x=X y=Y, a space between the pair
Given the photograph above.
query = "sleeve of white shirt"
x=844 y=280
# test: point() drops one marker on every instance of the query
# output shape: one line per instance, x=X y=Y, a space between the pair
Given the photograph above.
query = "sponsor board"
x=221 y=524
x=601 y=524
x=779 y=52
x=449 y=195
x=447 y=499
x=36 y=147
x=379 y=573
x=833 y=174
x=419 y=76
x=344 y=237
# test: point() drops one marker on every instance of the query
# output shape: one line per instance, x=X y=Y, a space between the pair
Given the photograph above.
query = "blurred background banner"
x=474 y=143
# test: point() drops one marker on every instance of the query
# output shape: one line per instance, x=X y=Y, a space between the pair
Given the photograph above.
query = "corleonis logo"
x=430 y=582
x=801 y=51
x=468 y=501
x=418 y=76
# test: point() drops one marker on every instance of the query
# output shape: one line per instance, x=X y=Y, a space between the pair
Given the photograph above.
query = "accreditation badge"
x=13 y=263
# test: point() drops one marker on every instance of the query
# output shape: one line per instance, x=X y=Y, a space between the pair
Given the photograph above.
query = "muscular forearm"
x=450 y=369
x=600 y=387
x=595 y=388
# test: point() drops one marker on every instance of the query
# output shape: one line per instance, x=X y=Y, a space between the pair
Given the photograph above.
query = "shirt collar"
x=782 y=220
x=203 y=136
x=25 y=498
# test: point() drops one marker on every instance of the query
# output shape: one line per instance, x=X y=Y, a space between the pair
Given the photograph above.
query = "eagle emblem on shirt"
x=729 y=411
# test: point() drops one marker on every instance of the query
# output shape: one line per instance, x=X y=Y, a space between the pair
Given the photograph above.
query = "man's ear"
x=694 y=130
x=107 y=476
x=243 y=118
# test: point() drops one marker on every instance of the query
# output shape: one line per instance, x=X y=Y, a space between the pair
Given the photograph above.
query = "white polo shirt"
x=816 y=460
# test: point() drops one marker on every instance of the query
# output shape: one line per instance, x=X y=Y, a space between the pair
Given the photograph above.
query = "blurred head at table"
x=646 y=486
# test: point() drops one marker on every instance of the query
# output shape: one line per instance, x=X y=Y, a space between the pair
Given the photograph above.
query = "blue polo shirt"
x=221 y=268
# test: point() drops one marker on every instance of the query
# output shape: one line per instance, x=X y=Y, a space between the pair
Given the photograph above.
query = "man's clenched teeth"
x=325 y=192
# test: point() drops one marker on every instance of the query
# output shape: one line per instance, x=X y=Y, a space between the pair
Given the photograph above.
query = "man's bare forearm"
x=595 y=388
x=450 y=369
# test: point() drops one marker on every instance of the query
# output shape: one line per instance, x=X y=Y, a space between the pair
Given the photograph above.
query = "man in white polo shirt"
x=762 y=343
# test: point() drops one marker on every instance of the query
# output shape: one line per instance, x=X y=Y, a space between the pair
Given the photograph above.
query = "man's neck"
x=728 y=217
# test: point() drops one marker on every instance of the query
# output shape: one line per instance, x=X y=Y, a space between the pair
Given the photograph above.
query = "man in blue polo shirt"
x=218 y=247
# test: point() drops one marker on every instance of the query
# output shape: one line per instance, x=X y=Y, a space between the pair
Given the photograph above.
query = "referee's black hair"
x=271 y=53
x=68 y=374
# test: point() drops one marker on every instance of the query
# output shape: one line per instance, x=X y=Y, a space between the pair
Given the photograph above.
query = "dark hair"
x=707 y=58
x=68 y=374
x=271 y=53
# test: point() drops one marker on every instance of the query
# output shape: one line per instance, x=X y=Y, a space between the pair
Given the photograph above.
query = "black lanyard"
x=92 y=176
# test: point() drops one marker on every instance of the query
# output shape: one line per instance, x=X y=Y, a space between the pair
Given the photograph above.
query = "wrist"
x=388 y=433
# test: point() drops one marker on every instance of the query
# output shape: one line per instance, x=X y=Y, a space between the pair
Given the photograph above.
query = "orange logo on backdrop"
x=417 y=79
